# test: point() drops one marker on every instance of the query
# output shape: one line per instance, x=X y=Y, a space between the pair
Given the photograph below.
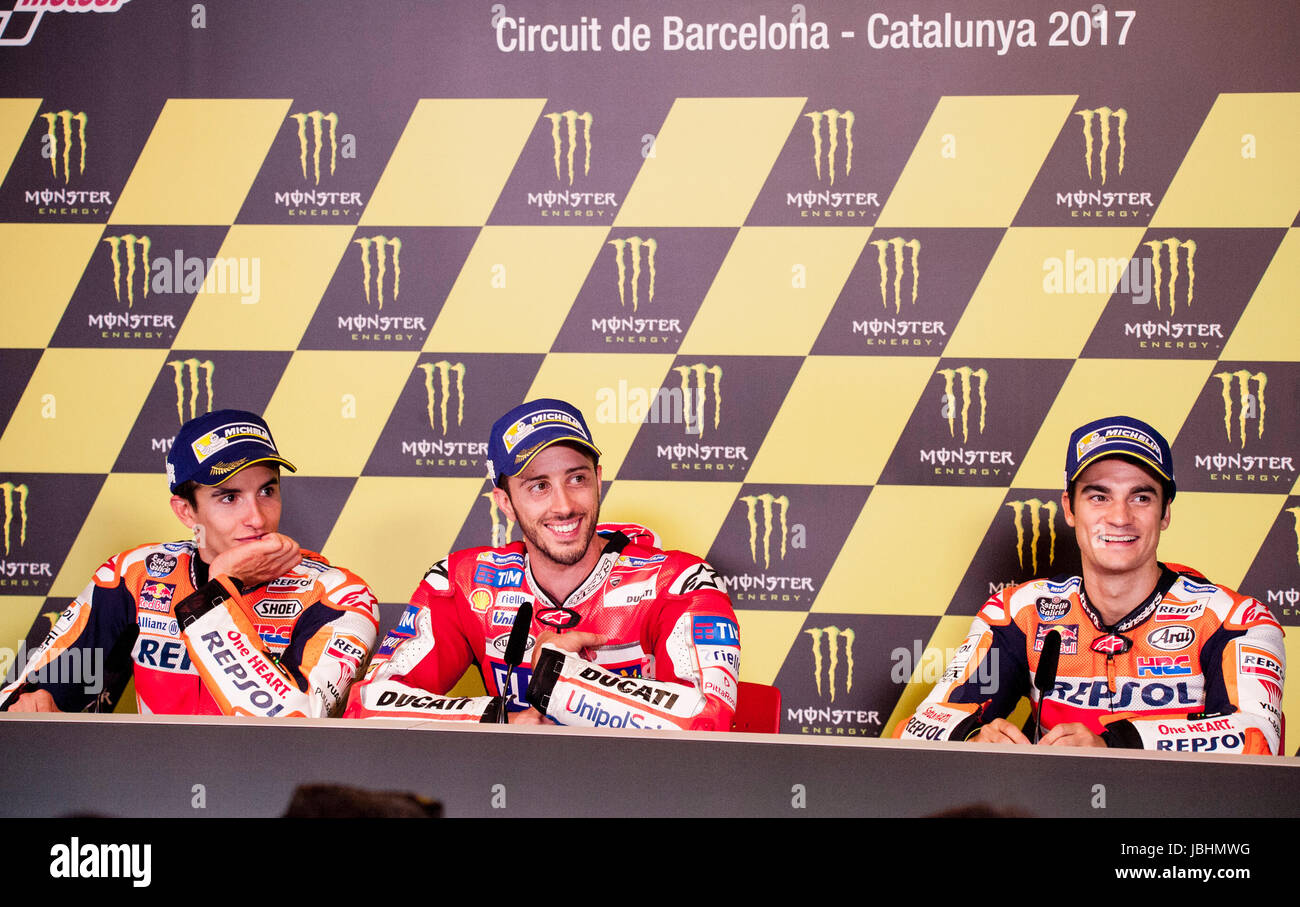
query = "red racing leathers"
x=288 y=647
x=672 y=658
x=1194 y=668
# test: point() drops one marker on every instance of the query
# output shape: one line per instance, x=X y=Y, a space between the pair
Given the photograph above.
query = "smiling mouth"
x=1117 y=538
x=567 y=529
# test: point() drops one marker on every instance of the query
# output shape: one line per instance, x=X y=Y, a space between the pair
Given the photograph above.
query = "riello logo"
x=40 y=7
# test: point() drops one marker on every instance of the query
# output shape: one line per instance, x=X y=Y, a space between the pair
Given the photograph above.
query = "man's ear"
x=184 y=511
x=1066 y=509
x=503 y=503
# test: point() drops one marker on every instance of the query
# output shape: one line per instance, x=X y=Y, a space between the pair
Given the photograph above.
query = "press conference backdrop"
x=831 y=281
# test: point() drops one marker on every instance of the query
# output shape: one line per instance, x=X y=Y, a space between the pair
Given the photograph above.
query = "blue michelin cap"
x=215 y=446
x=1121 y=436
x=530 y=428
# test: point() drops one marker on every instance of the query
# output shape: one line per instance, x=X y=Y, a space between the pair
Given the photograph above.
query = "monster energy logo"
x=1157 y=270
x=381 y=245
x=317 y=120
x=14 y=493
x=1035 y=508
x=833 y=118
x=502 y=526
x=693 y=400
x=634 y=245
x=782 y=503
x=128 y=244
x=61 y=123
x=898 y=244
x=833 y=636
x=966 y=373
x=1104 y=116
x=442 y=391
x=570 y=119
x=191 y=368
x=1245 y=399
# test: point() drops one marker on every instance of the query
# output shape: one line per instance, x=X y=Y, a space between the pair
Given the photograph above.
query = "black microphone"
x=1045 y=675
x=515 y=648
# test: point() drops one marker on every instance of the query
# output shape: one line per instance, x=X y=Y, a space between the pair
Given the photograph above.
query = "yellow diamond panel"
x=1043 y=292
x=765 y=638
x=200 y=161
x=77 y=409
x=1241 y=170
x=712 y=156
x=330 y=407
x=42 y=264
x=1224 y=555
x=774 y=290
x=909 y=531
x=515 y=289
x=598 y=384
x=686 y=515
x=1158 y=392
x=975 y=160
x=845 y=403
x=15 y=119
x=1269 y=328
x=926 y=673
x=392 y=529
x=287 y=269
x=17 y=614
x=452 y=161
x=132 y=509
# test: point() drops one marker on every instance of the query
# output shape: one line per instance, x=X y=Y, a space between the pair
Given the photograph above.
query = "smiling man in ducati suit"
x=1153 y=655
x=622 y=633
x=239 y=621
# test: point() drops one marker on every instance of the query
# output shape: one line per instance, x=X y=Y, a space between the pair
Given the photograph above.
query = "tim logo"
x=1171 y=247
x=197 y=374
x=695 y=394
x=1104 y=117
x=1036 y=509
x=502 y=526
x=634 y=246
x=437 y=394
x=383 y=248
x=1248 y=405
x=315 y=143
x=831 y=662
x=833 y=119
x=124 y=252
x=38 y=8
x=762 y=508
x=57 y=143
x=14 y=496
x=896 y=245
x=569 y=139
x=949 y=409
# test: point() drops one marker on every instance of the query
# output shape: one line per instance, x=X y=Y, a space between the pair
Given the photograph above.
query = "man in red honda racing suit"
x=622 y=634
x=1152 y=656
x=239 y=621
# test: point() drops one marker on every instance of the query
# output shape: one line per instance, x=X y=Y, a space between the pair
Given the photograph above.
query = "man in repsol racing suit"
x=622 y=633
x=239 y=621
x=1152 y=656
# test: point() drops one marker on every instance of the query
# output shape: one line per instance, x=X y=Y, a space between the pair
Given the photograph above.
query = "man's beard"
x=535 y=535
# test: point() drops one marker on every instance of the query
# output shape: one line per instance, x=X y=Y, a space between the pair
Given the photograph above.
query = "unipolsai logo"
x=634 y=246
x=884 y=260
x=379 y=254
x=1248 y=405
x=564 y=143
x=124 y=249
x=1098 y=142
x=833 y=122
x=1035 y=510
x=438 y=392
x=971 y=380
x=192 y=379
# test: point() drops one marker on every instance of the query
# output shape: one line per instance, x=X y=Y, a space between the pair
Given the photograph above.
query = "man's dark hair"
x=189 y=491
x=1166 y=490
